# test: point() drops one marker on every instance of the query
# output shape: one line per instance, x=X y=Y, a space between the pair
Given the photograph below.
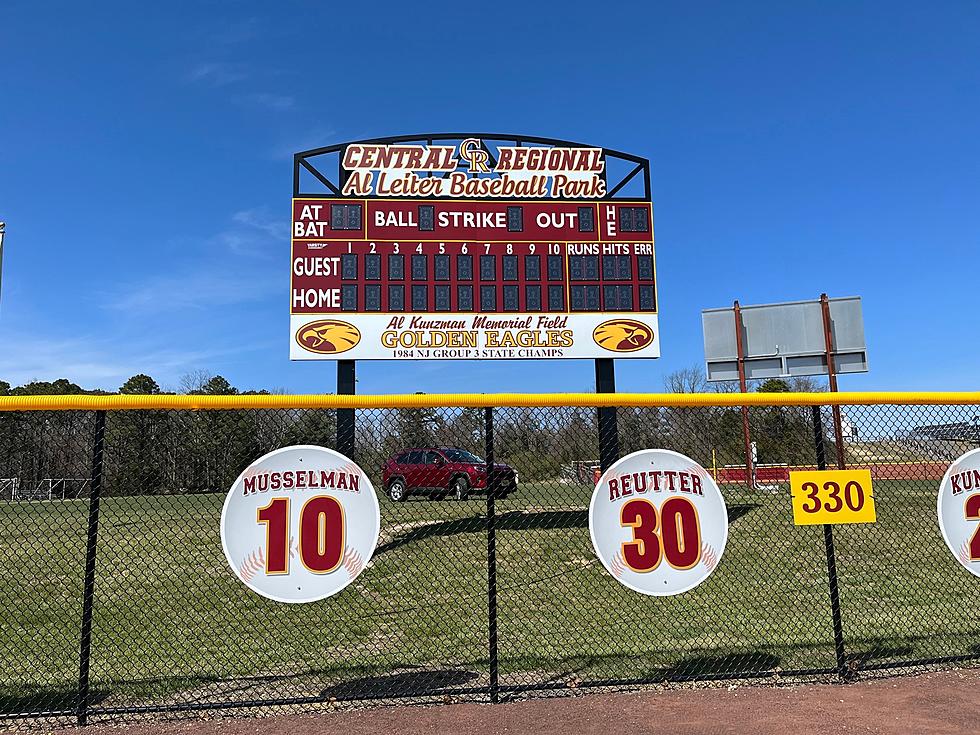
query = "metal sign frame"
x=783 y=340
x=819 y=352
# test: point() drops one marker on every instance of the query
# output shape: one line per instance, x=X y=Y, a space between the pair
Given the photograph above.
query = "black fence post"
x=605 y=382
x=88 y=593
x=828 y=541
x=346 y=381
x=492 y=557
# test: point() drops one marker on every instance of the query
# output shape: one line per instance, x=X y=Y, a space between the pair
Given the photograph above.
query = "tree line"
x=170 y=452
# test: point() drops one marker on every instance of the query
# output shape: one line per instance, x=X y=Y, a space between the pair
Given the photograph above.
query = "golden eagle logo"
x=328 y=336
x=623 y=335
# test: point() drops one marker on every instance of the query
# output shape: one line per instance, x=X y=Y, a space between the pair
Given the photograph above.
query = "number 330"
x=853 y=496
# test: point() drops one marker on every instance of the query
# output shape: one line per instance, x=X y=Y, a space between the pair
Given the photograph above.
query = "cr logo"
x=471 y=150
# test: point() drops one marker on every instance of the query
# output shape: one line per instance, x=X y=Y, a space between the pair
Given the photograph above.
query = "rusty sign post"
x=828 y=337
x=796 y=338
x=743 y=386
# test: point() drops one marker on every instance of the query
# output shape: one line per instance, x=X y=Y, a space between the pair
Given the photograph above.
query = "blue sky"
x=145 y=169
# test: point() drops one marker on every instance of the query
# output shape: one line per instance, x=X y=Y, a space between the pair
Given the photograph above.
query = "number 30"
x=679 y=541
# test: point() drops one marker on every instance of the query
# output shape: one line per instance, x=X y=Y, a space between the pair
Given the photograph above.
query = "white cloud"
x=100 y=361
x=254 y=234
x=198 y=288
x=217 y=73
x=239 y=31
x=276 y=102
x=252 y=239
x=315 y=137
x=260 y=219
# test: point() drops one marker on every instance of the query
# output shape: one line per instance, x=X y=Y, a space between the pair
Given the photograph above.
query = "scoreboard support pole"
x=828 y=337
x=605 y=382
x=346 y=370
x=346 y=378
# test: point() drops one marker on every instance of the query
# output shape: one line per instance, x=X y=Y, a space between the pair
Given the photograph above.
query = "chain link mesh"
x=172 y=628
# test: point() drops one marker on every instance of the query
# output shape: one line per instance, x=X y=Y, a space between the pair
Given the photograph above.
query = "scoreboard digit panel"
x=372 y=276
x=457 y=279
x=523 y=221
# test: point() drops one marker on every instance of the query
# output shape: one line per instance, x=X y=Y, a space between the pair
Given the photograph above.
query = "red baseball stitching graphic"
x=696 y=469
x=352 y=469
x=964 y=554
x=254 y=563
x=709 y=557
x=617 y=566
x=353 y=562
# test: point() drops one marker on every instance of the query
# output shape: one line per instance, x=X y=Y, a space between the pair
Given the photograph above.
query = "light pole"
x=2 y=224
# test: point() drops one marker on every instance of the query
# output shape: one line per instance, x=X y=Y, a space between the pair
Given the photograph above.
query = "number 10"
x=321 y=534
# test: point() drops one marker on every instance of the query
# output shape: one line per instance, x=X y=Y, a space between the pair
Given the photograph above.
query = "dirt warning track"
x=942 y=702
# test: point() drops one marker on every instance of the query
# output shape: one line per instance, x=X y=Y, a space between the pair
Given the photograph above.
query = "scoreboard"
x=440 y=278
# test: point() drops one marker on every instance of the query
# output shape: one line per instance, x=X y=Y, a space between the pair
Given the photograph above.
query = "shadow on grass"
x=639 y=668
x=44 y=699
x=724 y=665
x=737 y=511
x=875 y=651
x=511 y=521
x=515 y=520
x=422 y=682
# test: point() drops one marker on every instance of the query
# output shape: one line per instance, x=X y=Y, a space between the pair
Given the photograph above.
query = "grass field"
x=172 y=623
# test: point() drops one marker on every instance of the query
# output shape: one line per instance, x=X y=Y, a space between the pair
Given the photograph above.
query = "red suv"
x=441 y=471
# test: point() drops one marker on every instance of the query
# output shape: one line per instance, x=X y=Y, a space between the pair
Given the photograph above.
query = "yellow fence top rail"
x=478 y=400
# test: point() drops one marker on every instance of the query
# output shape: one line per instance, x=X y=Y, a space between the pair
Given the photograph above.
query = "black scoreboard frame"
x=319 y=164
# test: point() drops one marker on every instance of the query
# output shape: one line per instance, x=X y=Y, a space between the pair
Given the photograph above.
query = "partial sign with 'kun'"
x=958 y=507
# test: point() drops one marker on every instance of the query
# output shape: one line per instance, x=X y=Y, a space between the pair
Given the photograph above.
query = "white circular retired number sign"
x=958 y=506
x=658 y=522
x=300 y=524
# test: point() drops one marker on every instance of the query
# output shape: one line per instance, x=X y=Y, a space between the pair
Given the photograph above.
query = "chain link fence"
x=117 y=599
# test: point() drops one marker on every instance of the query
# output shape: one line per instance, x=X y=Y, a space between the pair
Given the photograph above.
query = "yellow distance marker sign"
x=832 y=496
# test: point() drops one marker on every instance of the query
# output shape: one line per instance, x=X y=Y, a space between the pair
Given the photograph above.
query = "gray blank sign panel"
x=784 y=340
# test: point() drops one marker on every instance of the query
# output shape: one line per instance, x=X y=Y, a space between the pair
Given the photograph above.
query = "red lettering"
x=352 y=157
x=640 y=482
x=322 y=534
x=624 y=482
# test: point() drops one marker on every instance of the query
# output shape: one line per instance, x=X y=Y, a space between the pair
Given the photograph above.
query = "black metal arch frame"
x=305 y=160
